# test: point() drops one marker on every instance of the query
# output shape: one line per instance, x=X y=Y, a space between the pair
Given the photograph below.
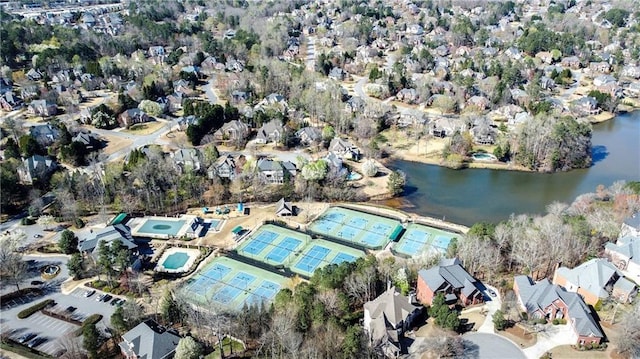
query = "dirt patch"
x=519 y=335
x=474 y=319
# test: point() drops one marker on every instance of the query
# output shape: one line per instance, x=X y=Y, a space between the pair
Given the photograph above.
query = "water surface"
x=472 y=195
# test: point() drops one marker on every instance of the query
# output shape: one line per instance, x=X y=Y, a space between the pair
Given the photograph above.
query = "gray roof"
x=388 y=310
x=266 y=164
x=37 y=163
x=186 y=154
x=109 y=234
x=273 y=127
x=149 y=341
x=284 y=207
x=591 y=276
x=633 y=221
x=449 y=272
x=540 y=295
x=44 y=133
x=628 y=247
x=625 y=285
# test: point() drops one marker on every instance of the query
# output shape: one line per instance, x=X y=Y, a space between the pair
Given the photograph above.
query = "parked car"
x=491 y=292
x=100 y=297
x=115 y=301
x=37 y=235
x=107 y=297
x=89 y=293
x=37 y=282
x=26 y=337
x=70 y=309
x=37 y=341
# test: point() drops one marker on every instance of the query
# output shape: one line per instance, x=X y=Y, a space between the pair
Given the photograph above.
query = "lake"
x=472 y=195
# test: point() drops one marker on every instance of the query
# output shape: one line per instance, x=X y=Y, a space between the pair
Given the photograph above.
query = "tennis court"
x=229 y=284
x=320 y=253
x=419 y=238
x=272 y=244
x=365 y=229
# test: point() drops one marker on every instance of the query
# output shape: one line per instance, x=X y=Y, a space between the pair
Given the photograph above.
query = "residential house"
x=625 y=255
x=545 y=56
x=600 y=67
x=633 y=90
x=484 y=134
x=479 y=102
x=224 y=167
x=335 y=164
x=601 y=80
x=187 y=159
x=9 y=101
x=545 y=300
x=157 y=51
x=387 y=318
x=407 y=95
x=631 y=226
x=149 y=340
x=45 y=134
x=89 y=244
x=411 y=119
x=35 y=168
x=451 y=279
x=572 y=62
x=284 y=208
x=34 y=75
x=309 y=135
x=232 y=131
x=344 y=149
x=587 y=105
x=42 y=108
x=630 y=71
x=355 y=104
x=132 y=116
x=594 y=280
x=89 y=140
x=272 y=131
x=273 y=100
x=275 y=172
x=446 y=126
x=337 y=74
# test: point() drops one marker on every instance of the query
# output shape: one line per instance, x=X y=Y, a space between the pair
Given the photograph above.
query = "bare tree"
x=361 y=285
x=628 y=342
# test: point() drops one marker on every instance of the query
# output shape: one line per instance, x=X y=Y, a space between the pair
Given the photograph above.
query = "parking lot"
x=57 y=332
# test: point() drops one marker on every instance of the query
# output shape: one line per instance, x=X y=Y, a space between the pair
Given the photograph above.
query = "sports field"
x=320 y=253
x=285 y=247
x=273 y=245
x=419 y=238
x=364 y=229
x=228 y=284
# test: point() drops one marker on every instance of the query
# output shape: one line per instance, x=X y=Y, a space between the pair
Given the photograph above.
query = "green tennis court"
x=364 y=229
x=228 y=284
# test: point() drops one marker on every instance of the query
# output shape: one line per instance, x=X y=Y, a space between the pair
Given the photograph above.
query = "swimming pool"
x=482 y=156
x=175 y=260
x=159 y=226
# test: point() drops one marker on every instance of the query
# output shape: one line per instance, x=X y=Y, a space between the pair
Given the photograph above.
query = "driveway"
x=490 y=346
x=550 y=337
x=492 y=304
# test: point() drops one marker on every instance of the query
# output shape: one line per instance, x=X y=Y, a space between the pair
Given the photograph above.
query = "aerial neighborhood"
x=221 y=179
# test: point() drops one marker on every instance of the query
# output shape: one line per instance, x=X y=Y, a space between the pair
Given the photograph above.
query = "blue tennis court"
x=442 y=242
x=343 y=257
x=365 y=229
x=227 y=294
x=242 y=280
x=217 y=272
x=260 y=242
x=283 y=250
x=264 y=293
x=201 y=285
x=312 y=258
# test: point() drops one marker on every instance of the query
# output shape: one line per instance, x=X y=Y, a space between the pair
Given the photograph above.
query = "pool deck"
x=137 y=225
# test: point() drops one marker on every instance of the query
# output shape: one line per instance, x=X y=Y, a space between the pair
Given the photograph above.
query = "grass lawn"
x=146 y=128
x=227 y=344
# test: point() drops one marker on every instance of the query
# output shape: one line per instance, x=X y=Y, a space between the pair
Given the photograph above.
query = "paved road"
x=490 y=346
x=310 y=60
x=137 y=140
x=208 y=90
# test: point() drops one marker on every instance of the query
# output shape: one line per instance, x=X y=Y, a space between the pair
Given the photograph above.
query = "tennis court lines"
x=233 y=284
x=272 y=244
x=419 y=238
x=323 y=253
x=366 y=229
x=312 y=259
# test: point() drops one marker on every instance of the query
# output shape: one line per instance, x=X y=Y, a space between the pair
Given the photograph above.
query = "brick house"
x=625 y=255
x=450 y=278
x=594 y=280
x=543 y=300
